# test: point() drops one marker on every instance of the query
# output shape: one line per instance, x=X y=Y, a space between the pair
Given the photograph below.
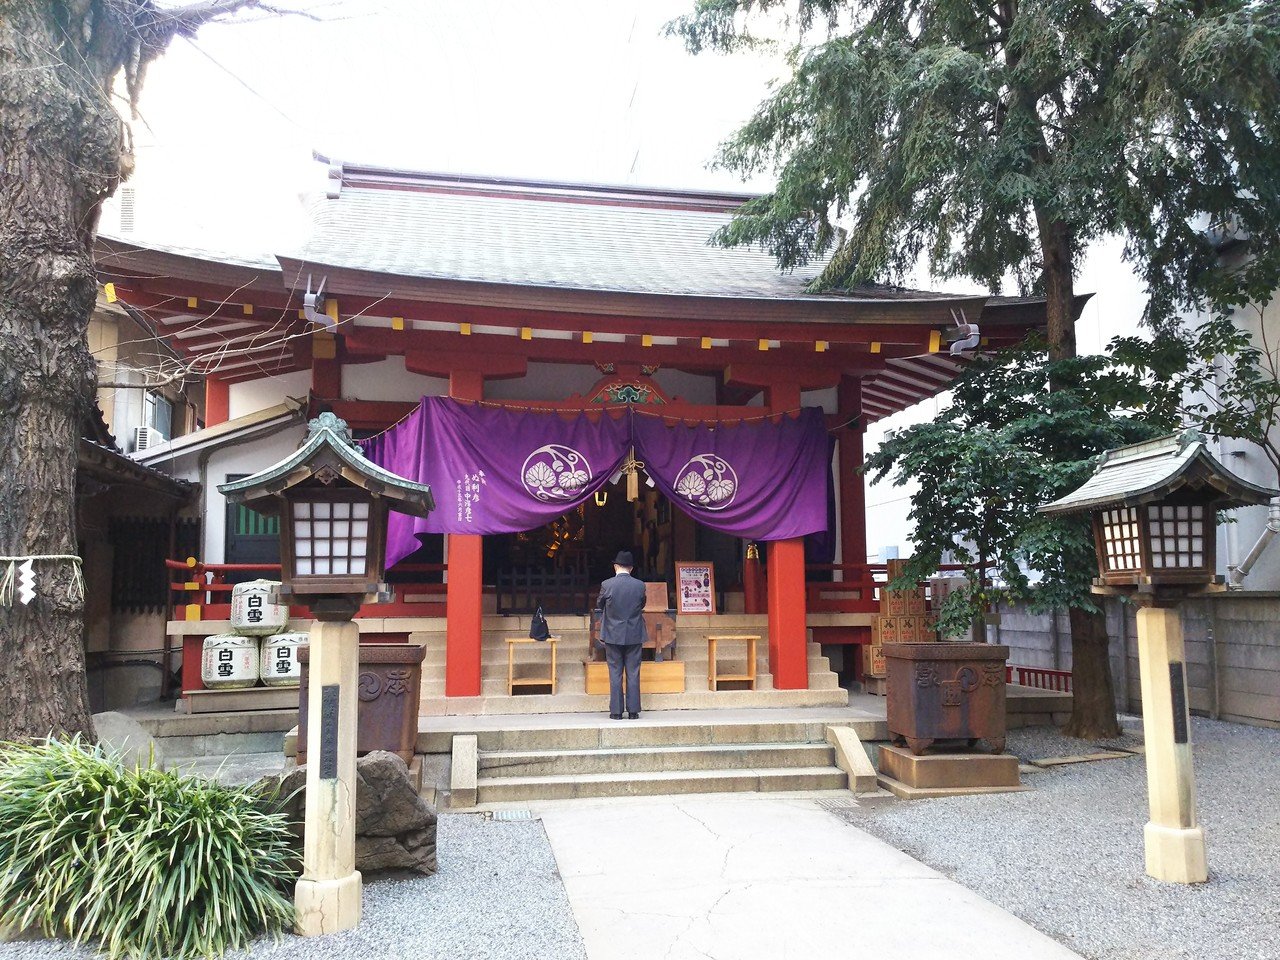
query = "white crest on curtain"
x=707 y=481
x=555 y=472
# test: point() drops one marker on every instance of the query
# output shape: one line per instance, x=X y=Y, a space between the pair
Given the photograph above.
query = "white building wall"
x=1235 y=539
x=248 y=457
x=254 y=395
x=388 y=380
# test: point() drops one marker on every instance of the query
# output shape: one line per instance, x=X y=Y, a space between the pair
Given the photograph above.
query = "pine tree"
x=997 y=140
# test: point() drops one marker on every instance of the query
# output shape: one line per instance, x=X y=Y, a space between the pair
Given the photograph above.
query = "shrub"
x=145 y=862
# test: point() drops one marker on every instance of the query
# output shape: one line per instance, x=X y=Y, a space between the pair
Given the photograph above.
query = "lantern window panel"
x=341 y=511
x=302 y=566
x=1120 y=539
x=321 y=567
x=301 y=511
x=360 y=511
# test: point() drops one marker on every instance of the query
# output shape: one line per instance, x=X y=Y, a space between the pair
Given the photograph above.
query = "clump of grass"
x=142 y=862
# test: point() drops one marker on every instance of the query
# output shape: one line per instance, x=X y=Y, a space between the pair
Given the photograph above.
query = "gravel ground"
x=1067 y=857
x=497 y=896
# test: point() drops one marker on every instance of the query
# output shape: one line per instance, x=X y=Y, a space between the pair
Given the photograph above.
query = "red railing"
x=852 y=587
x=1038 y=677
x=201 y=591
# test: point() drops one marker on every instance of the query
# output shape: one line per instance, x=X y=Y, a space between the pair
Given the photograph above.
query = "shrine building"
x=576 y=370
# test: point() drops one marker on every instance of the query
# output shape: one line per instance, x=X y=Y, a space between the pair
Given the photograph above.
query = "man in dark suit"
x=622 y=631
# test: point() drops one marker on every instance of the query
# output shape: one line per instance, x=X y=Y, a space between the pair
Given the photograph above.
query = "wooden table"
x=714 y=677
x=513 y=681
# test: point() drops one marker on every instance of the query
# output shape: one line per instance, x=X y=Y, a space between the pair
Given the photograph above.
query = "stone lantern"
x=1154 y=510
x=333 y=504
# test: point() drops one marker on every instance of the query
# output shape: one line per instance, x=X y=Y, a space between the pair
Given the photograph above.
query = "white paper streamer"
x=19 y=574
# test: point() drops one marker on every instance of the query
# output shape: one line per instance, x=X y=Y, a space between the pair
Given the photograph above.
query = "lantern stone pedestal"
x=1174 y=841
x=328 y=897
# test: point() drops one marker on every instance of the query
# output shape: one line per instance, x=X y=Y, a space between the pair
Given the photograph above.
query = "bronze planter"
x=945 y=691
x=390 y=686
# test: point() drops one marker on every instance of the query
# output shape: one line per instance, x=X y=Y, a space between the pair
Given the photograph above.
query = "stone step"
x=660 y=783
x=652 y=759
x=522 y=734
x=565 y=701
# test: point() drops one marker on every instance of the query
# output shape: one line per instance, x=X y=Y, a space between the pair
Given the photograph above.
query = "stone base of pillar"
x=1175 y=854
x=327 y=906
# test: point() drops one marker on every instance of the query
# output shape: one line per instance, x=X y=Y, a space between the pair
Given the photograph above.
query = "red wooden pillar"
x=853 y=488
x=217 y=401
x=788 y=632
x=464 y=596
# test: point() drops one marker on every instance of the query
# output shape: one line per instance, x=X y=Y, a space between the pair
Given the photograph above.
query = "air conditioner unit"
x=144 y=438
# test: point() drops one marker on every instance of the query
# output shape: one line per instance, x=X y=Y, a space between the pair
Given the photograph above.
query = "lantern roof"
x=328 y=453
x=1142 y=472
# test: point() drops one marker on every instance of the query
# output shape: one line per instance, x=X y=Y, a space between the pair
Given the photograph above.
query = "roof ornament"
x=313 y=306
x=966 y=334
x=333 y=190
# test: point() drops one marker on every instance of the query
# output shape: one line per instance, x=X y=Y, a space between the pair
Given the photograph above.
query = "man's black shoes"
x=615 y=716
x=633 y=716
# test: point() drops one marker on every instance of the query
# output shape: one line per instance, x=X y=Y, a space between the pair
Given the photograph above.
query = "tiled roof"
x=1143 y=471
x=540 y=240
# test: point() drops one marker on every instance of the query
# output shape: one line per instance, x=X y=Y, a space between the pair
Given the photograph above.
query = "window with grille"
x=330 y=538
x=1177 y=536
x=1121 y=539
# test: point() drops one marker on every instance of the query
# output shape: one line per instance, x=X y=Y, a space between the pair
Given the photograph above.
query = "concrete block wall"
x=1232 y=652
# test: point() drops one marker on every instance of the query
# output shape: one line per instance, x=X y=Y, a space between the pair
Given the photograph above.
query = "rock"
x=395 y=828
x=126 y=737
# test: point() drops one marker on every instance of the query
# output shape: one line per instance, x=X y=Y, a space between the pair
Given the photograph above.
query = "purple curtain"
x=763 y=480
x=493 y=470
x=498 y=471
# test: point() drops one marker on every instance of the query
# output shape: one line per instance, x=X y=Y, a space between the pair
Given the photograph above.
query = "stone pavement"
x=753 y=876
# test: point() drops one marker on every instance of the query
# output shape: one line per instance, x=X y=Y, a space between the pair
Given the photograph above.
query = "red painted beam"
x=487 y=349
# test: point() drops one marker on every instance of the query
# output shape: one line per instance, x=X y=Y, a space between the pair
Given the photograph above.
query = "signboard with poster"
x=695 y=588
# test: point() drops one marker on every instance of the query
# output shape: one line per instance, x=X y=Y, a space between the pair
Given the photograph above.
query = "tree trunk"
x=60 y=148
x=1093 y=705
x=1093 y=700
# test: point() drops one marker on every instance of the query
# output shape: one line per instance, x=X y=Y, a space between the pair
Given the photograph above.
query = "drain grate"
x=513 y=814
x=835 y=804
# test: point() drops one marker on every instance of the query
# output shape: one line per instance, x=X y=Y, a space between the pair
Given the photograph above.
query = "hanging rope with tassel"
x=20 y=578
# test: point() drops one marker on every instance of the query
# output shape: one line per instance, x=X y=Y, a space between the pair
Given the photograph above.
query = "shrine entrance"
x=560 y=564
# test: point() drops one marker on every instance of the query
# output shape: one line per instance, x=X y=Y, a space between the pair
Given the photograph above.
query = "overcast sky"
x=573 y=89
x=586 y=90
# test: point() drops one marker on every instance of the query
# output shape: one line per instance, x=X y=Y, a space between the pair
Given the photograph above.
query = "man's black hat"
x=624 y=559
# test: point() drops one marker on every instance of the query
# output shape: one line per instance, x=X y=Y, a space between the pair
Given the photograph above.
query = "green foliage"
x=1005 y=446
x=1217 y=379
x=982 y=136
x=143 y=862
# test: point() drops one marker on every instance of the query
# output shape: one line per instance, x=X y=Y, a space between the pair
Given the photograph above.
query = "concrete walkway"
x=752 y=876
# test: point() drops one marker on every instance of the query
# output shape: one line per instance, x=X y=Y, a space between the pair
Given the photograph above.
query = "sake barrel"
x=280 y=666
x=256 y=610
x=230 y=662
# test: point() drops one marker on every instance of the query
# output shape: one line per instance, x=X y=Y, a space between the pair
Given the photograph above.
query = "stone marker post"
x=1174 y=841
x=327 y=898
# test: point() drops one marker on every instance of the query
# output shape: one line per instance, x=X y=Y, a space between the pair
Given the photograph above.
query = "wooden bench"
x=715 y=678
x=539 y=680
